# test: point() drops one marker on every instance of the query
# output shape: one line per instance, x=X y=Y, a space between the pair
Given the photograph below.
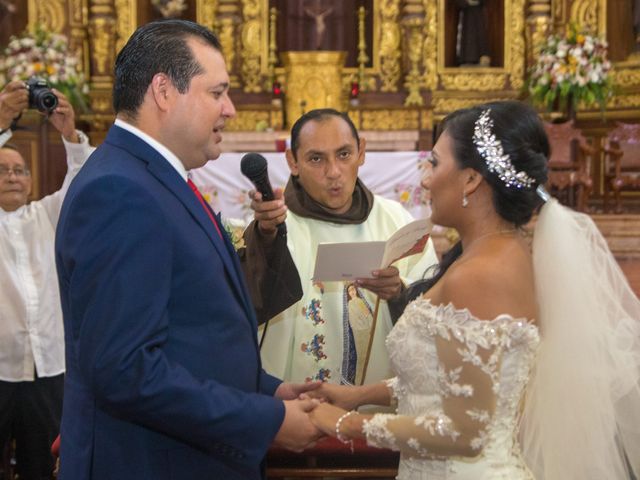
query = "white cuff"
x=5 y=136
x=77 y=153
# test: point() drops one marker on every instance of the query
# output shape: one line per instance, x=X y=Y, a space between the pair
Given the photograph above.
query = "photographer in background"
x=31 y=332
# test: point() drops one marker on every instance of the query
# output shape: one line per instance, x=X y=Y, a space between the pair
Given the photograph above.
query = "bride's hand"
x=343 y=396
x=325 y=416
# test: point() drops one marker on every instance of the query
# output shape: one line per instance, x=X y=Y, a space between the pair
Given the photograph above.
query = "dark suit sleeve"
x=117 y=246
x=268 y=383
x=271 y=274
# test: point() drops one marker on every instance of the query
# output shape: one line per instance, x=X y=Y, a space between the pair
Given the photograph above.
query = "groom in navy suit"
x=163 y=370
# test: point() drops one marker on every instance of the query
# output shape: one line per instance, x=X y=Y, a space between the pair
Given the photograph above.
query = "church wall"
x=407 y=68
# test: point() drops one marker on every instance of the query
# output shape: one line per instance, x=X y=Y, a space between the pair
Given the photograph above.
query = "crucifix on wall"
x=318 y=10
x=328 y=25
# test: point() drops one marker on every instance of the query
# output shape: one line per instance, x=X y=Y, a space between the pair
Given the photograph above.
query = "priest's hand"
x=386 y=283
x=268 y=215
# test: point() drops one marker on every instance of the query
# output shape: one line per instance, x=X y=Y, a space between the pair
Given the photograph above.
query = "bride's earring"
x=465 y=201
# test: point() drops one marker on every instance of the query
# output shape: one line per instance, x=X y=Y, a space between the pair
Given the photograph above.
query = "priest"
x=331 y=331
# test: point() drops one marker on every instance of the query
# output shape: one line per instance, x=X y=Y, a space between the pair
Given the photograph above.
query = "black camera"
x=40 y=95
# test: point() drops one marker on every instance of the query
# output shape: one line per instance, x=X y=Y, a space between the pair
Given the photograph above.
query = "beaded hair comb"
x=490 y=148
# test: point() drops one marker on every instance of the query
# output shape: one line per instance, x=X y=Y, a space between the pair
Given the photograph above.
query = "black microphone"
x=254 y=167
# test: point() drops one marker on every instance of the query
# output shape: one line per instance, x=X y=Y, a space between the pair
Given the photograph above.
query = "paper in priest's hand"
x=351 y=260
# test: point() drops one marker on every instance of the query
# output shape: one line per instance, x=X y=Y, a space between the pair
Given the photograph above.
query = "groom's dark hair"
x=157 y=47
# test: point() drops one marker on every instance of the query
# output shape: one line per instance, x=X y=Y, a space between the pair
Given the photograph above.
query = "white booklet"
x=351 y=260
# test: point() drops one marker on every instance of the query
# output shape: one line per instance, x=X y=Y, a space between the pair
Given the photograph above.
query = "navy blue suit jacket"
x=163 y=378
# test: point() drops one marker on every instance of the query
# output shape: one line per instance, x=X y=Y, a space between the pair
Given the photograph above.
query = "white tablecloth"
x=394 y=175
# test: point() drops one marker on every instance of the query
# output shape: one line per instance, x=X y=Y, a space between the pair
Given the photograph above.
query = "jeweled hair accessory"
x=490 y=148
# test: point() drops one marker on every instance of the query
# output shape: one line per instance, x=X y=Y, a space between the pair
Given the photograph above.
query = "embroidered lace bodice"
x=459 y=386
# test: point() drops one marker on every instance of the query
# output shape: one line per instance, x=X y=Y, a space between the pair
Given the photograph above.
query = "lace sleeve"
x=467 y=382
x=393 y=386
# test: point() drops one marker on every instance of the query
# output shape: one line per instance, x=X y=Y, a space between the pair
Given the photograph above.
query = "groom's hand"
x=297 y=432
x=291 y=391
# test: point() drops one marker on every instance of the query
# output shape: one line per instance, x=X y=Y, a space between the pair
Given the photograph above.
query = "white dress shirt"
x=31 y=329
x=156 y=145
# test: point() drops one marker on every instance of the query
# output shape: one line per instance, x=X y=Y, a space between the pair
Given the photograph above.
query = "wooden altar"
x=400 y=53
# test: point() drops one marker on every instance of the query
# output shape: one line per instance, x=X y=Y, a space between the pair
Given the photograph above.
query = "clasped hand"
x=297 y=432
x=311 y=412
x=333 y=401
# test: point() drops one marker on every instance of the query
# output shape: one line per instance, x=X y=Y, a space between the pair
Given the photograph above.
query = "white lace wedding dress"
x=459 y=386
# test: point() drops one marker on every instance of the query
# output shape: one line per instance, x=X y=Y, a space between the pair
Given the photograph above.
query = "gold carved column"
x=390 y=45
x=252 y=38
x=102 y=39
x=586 y=14
x=413 y=23
x=430 y=52
x=78 y=35
x=538 y=27
x=126 y=21
x=313 y=80
x=206 y=12
x=225 y=25
x=47 y=14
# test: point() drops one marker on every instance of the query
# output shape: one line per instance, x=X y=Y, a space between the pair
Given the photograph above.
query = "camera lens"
x=45 y=100
x=40 y=95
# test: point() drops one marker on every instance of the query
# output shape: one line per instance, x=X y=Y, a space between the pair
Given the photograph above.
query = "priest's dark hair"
x=157 y=47
x=319 y=115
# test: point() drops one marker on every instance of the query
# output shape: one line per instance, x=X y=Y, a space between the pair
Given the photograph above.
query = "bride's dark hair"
x=519 y=128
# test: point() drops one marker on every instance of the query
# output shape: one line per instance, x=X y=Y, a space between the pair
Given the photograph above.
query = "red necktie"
x=204 y=205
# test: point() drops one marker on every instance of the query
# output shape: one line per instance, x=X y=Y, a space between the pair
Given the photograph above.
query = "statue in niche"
x=472 y=42
x=6 y=8
x=623 y=27
x=8 y=15
x=318 y=13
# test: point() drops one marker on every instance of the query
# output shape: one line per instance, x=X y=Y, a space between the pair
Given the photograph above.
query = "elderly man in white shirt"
x=31 y=331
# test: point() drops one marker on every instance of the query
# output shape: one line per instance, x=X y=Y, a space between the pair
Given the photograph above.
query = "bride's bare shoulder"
x=489 y=286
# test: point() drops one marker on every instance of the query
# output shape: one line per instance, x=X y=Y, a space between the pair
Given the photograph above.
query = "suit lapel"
x=160 y=168
x=237 y=269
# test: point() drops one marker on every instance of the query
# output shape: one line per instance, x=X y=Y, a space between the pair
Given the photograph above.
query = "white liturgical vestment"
x=325 y=336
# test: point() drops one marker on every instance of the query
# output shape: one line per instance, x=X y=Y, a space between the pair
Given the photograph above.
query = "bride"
x=512 y=362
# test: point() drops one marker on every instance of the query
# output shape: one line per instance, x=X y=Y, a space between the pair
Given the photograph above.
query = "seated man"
x=31 y=332
x=325 y=335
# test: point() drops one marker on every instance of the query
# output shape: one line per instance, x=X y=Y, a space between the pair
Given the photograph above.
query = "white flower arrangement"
x=45 y=55
x=571 y=68
x=170 y=8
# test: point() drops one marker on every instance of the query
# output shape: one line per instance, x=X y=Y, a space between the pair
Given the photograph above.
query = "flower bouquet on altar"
x=571 y=69
x=45 y=55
